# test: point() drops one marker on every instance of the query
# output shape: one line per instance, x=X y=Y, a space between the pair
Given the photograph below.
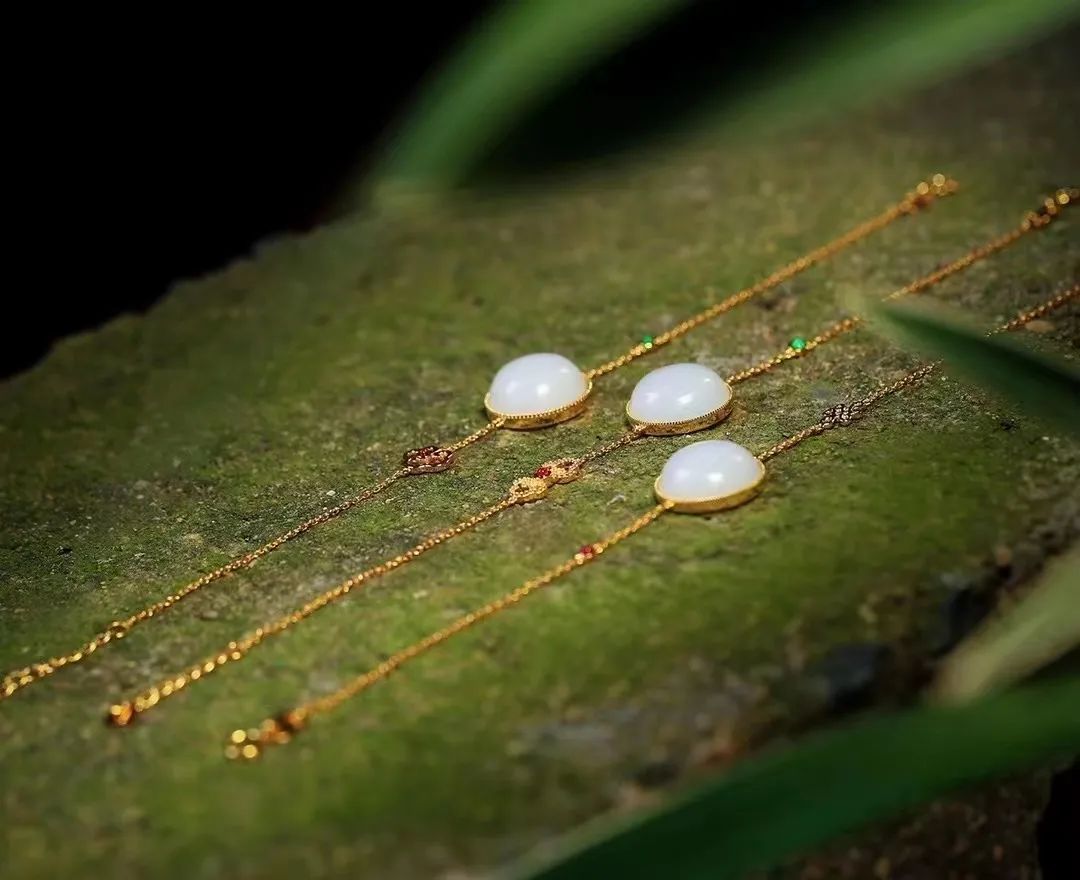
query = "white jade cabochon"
x=678 y=393
x=536 y=383
x=709 y=470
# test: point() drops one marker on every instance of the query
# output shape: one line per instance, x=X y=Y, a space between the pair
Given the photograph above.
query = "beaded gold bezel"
x=668 y=429
x=712 y=505
x=539 y=420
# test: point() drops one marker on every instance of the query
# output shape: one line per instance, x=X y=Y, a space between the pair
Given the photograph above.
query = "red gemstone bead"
x=587 y=550
x=542 y=472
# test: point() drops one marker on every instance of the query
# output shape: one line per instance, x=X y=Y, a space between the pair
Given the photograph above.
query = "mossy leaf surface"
x=164 y=444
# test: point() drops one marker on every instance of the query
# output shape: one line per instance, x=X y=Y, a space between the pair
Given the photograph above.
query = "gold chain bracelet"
x=281 y=728
x=533 y=488
x=432 y=459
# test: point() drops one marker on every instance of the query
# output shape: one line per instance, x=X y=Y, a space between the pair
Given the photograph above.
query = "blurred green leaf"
x=525 y=51
x=517 y=56
x=1042 y=628
x=1045 y=388
x=783 y=803
x=892 y=47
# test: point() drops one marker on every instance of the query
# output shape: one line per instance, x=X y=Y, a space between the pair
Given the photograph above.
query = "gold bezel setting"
x=539 y=420
x=713 y=505
x=669 y=429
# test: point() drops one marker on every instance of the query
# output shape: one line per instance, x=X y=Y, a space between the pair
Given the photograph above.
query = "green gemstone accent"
x=797 y=343
x=647 y=341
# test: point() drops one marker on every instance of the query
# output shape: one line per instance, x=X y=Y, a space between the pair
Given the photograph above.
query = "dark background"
x=151 y=151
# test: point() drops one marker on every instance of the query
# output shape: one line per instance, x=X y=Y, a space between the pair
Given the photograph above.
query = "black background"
x=150 y=150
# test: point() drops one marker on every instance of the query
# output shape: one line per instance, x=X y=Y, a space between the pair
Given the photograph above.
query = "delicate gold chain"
x=635 y=433
x=843 y=414
x=123 y=714
x=1066 y=296
x=490 y=428
x=1050 y=209
x=435 y=458
x=527 y=489
x=522 y=491
x=922 y=196
x=280 y=729
x=116 y=630
x=427 y=459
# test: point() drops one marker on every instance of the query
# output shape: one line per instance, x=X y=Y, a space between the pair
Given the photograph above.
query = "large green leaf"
x=1044 y=387
x=891 y=47
x=783 y=803
x=518 y=55
x=524 y=52
x=1042 y=628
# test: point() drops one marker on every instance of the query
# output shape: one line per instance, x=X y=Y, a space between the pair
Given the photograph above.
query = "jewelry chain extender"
x=435 y=458
x=522 y=491
x=281 y=728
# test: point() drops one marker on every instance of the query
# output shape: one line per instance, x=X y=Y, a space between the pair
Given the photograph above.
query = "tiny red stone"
x=543 y=472
x=587 y=550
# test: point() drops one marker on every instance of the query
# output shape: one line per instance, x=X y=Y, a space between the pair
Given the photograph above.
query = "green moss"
x=162 y=445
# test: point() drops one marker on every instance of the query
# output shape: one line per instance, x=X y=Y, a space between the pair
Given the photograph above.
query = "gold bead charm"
x=120 y=715
x=561 y=471
x=277 y=731
x=527 y=489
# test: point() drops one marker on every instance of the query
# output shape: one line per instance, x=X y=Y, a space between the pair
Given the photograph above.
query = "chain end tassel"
x=120 y=715
x=248 y=745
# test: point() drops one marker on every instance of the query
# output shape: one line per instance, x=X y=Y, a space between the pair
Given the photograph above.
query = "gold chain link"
x=846 y=413
x=490 y=428
x=921 y=197
x=281 y=728
x=1034 y=220
x=523 y=491
x=527 y=489
x=635 y=433
x=843 y=414
x=1066 y=296
x=433 y=459
x=20 y=678
x=124 y=713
